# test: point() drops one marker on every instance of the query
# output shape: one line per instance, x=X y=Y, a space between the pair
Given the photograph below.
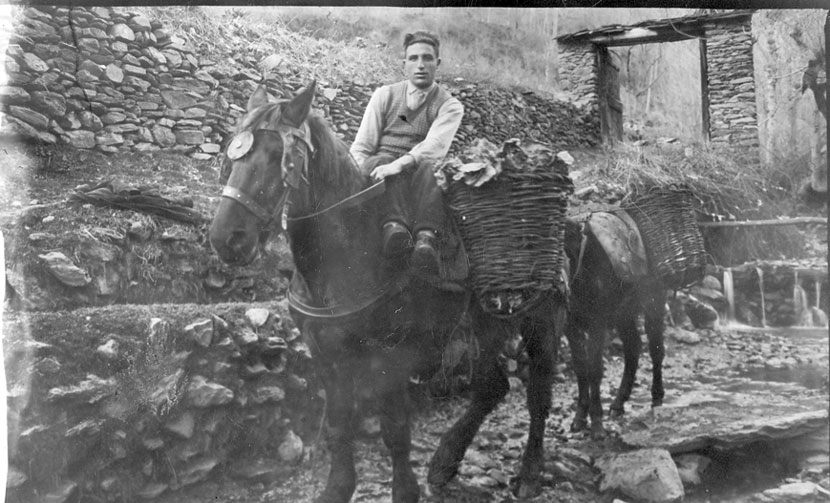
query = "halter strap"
x=246 y=201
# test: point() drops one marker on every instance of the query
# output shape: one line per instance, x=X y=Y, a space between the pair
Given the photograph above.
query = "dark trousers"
x=413 y=198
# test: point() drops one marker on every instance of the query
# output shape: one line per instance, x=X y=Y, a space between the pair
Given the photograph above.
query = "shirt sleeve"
x=439 y=138
x=367 y=139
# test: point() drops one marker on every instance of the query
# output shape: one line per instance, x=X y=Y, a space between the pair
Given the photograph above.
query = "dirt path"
x=494 y=456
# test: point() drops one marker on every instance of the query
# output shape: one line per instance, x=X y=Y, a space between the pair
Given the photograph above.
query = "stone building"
x=728 y=111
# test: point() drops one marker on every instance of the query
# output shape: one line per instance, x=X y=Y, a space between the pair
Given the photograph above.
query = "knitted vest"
x=404 y=128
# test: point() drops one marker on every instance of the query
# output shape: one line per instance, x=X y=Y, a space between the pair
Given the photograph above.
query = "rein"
x=353 y=200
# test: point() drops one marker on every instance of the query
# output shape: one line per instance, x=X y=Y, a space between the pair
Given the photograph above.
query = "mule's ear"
x=259 y=98
x=298 y=108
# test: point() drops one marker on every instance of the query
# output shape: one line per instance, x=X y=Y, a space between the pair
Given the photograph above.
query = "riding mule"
x=608 y=289
x=360 y=313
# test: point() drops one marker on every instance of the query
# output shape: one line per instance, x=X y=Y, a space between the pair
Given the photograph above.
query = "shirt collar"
x=411 y=89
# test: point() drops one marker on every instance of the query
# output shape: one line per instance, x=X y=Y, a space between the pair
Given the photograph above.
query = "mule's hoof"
x=616 y=412
x=525 y=489
x=407 y=491
x=439 y=476
x=579 y=425
x=597 y=431
x=657 y=402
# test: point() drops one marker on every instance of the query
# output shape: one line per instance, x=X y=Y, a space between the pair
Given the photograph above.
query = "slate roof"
x=666 y=30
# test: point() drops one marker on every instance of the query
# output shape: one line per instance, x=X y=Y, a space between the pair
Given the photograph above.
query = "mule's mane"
x=332 y=159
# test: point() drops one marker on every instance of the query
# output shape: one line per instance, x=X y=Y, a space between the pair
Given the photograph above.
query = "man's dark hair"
x=421 y=36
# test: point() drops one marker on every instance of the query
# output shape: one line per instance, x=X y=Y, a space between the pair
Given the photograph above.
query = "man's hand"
x=393 y=168
x=384 y=170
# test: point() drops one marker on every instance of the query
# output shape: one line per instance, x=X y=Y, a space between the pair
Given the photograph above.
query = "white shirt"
x=434 y=147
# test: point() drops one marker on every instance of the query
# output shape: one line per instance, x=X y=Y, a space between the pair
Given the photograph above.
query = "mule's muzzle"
x=234 y=247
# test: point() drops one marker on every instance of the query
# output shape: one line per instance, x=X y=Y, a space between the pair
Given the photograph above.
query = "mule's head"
x=263 y=162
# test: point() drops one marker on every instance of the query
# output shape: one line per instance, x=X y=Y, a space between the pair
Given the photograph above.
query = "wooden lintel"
x=753 y=223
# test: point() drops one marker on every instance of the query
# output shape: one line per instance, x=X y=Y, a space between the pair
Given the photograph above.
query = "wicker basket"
x=674 y=244
x=513 y=228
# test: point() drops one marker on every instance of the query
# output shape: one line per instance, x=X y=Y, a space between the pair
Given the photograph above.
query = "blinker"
x=240 y=145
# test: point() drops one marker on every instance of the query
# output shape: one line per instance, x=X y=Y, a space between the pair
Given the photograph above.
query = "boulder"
x=646 y=475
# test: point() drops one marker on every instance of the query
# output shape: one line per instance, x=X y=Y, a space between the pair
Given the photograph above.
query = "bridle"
x=292 y=174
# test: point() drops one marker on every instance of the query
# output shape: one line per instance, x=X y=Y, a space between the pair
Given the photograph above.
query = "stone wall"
x=105 y=79
x=115 y=412
x=731 y=79
x=579 y=73
x=733 y=118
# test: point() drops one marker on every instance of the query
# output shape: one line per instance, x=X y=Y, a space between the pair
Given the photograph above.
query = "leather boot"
x=425 y=258
x=397 y=240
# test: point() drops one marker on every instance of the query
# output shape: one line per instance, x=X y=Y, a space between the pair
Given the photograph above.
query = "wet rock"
x=683 y=335
x=182 y=426
x=291 y=448
x=264 y=470
x=268 y=393
x=88 y=428
x=151 y=491
x=257 y=316
x=65 y=270
x=701 y=314
x=691 y=467
x=91 y=390
x=109 y=484
x=15 y=478
x=200 y=332
x=62 y=493
x=202 y=393
x=479 y=459
x=48 y=366
x=197 y=471
x=647 y=475
x=797 y=491
x=247 y=337
x=484 y=481
x=108 y=350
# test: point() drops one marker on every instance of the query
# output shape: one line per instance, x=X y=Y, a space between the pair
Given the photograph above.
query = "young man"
x=407 y=128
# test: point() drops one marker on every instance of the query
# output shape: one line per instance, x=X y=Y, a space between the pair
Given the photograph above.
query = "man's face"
x=420 y=63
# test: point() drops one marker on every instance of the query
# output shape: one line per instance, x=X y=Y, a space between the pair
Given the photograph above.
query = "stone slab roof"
x=656 y=30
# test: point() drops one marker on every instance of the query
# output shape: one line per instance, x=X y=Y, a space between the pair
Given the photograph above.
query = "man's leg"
x=396 y=221
x=429 y=219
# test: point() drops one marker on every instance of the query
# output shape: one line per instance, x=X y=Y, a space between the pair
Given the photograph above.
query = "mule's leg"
x=596 y=348
x=393 y=399
x=655 y=312
x=630 y=337
x=575 y=333
x=338 y=381
x=541 y=335
x=489 y=386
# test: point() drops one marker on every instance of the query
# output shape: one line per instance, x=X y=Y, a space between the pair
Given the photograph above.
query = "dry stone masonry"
x=118 y=415
x=733 y=118
x=730 y=77
x=106 y=79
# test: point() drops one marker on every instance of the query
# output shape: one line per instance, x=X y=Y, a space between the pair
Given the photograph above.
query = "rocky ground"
x=723 y=387
x=571 y=474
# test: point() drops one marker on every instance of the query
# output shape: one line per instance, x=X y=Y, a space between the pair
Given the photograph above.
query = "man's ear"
x=438 y=62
